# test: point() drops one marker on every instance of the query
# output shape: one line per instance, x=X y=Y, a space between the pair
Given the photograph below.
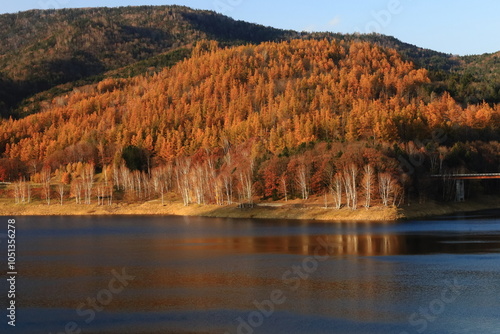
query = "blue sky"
x=451 y=26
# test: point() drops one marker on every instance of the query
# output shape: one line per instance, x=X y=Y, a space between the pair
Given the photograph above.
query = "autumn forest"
x=349 y=120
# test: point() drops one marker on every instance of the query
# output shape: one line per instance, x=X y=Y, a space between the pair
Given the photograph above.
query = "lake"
x=197 y=275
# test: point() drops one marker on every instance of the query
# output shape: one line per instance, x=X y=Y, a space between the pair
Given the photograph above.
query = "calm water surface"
x=199 y=275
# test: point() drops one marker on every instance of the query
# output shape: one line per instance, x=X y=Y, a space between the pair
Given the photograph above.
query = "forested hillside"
x=44 y=54
x=274 y=120
x=42 y=49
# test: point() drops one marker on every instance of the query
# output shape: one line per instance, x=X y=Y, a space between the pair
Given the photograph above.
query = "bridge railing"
x=468 y=176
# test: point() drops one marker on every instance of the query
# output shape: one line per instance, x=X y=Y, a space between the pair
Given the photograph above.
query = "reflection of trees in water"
x=349 y=244
x=198 y=272
x=302 y=244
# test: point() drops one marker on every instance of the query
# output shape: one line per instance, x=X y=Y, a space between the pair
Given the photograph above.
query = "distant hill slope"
x=469 y=79
x=425 y=58
x=40 y=50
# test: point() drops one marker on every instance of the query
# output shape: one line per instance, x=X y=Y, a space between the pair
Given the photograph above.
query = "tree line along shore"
x=150 y=198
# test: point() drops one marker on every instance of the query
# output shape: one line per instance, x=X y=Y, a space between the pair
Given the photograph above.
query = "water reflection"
x=361 y=245
x=199 y=275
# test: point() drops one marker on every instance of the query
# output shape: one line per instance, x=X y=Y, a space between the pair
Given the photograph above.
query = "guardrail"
x=484 y=176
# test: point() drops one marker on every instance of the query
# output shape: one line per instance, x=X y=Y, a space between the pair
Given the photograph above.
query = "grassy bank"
x=276 y=211
x=7 y=208
x=431 y=208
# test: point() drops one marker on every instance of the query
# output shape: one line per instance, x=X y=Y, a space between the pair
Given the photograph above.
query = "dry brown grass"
x=38 y=208
x=377 y=213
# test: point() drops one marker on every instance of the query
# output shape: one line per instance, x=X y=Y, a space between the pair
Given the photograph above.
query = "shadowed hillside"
x=42 y=49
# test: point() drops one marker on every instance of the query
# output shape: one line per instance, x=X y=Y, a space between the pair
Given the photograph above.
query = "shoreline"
x=261 y=211
x=436 y=209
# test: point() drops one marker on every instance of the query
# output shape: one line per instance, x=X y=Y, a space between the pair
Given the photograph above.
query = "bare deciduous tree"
x=386 y=187
x=350 y=185
x=215 y=184
x=246 y=185
x=87 y=175
x=28 y=191
x=17 y=192
x=398 y=195
x=182 y=170
x=25 y=190
x=101 y=193
x=284 y=186
x=22 y=191
x=227 y=180
x=197 y=180
x=158 y=183
x=60 y=191
x=76 y=189
x=45 y=178
x=368 y=181
x=218 y=190
x=336 y=190
x=302 y=180
x=110 y=196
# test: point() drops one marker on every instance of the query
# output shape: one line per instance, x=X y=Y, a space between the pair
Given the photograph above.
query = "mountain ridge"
x=80 y=46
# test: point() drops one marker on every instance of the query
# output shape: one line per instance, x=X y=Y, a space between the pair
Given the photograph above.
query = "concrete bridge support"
x=460 y=193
